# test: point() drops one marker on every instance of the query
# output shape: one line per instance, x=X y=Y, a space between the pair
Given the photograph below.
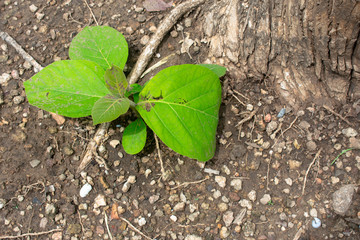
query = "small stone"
x=188 y=22
x=27 y=65
x=4 y=78
x=50 y=209
x=224 y=232
x=293 y=164
x=265 y=199
x=39 y=16
x=139 y=9
x=141 y=18
x=354 y=143
x=2 y=203
x=313 y=212
x=144 y=40
x=252 y=195
x=129 y=30
x=174 y=34
x=236 y=184
x=221 y=181
x=114 y=143
x=289 y=181
x=18 y=99
x=33 y=8
x=335 y=180
x=173 y=218
x=349 y=132
x=83 y=206
x=225 y=169
x=84 y=191
x=271 y=127
x=311 y=145
x=142 y=221
x=179 y=207
x=153 y=199
x=248 y=229
x=99 y=201
x=57 y=236
x=283 y=216
x=74 y=228
x=68 y=151
x=34 y=163
x=43 y=223
x=193 y=237
x=249 y=107
x=342 y=198
x=222 y=207
x=245 y=204
x=211 y=171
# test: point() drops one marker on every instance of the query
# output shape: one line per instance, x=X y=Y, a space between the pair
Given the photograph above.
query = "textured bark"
x=309 y=49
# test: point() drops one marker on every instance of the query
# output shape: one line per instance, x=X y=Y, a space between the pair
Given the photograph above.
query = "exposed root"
x=307 y=171
x=31 y=234
x=247 y=118
x=92 y=14
x=107 y=226
x=336 y=114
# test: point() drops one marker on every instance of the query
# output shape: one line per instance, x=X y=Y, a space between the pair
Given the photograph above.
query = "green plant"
x=342 y=152
x=180 y=104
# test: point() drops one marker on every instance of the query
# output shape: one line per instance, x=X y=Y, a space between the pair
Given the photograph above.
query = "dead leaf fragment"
x=186 y=44
x=156 y=5
x=59 y=119
x=114 y=211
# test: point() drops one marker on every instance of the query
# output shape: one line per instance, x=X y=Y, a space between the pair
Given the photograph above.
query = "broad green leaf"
x=116 y=81
x=109 y=108
x=101 y=44
x=133 y=89
x=218 y=70
x=181 y=105
x=69 y=88
x=134 y=137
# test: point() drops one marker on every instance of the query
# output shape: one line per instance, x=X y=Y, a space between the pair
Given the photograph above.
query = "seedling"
x=270 y=203
x=180 y=103
x=342 y=152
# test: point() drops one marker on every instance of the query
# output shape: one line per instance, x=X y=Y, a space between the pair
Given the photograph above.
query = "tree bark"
x=309 y=50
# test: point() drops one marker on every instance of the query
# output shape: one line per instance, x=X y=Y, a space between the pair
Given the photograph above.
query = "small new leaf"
x=134 y=137
x=133 y=89
x=116 y=81
x=109 y=108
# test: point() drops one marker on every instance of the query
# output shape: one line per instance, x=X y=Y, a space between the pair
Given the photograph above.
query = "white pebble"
x=114 y=143
x=173 y=218
x=84 y=191
x=289 y=181
x=316 y=223
x=142 y=221
x=33 y=8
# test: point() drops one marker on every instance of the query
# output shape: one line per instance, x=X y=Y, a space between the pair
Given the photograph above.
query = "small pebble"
x=144 y=40
x=34 y=163
x=316 y=223
x=221 y=181
x=265 y=199
x=84 y=191
x=114 y=143
x=33 y=8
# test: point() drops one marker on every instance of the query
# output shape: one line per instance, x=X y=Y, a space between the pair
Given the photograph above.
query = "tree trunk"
x=309 y=50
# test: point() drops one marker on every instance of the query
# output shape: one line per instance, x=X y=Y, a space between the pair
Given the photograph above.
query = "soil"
x=195 y=201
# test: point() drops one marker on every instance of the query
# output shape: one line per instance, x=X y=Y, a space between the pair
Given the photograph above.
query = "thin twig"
x=91 y=13
x=267 y=174
x=31 y=234
x=238 y=99
x=240 y=94
x=336 y=114
x=81 y=224
x=188 y=183
x=307 y=171
x=156 y=39
x=247 y=118
x=135 y=229
x=107 y=226
x=282 y=133
x=7 y=38
x=160 y=158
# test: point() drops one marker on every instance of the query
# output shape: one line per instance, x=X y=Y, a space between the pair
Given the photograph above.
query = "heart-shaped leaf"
x=116 y=81
x=109 y=108
x=134 y=137
x=69 y=88
x=101 y=44
x=218 y=70
x=181 y=105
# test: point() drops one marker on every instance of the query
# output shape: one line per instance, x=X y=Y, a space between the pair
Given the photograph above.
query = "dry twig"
x=91 y=13
x=187 y=183
x=107 y=226
x=267 y=174
x=160 y=158
x=31 y=234
x=247 y=118
x=7 y=38
x=156 y=39
x=307 y=171
x=135 y=229
x=336 y=114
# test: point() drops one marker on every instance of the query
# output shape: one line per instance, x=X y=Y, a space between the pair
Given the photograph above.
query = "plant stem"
x=132 y=104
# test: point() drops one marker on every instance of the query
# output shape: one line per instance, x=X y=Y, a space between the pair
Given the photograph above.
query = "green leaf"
x=109 y=108
x=116 y=81
x=218 y=70
x=134 y=88
x=181 y=105
x=101 y=44
x=69 y=88
x=134 y=137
